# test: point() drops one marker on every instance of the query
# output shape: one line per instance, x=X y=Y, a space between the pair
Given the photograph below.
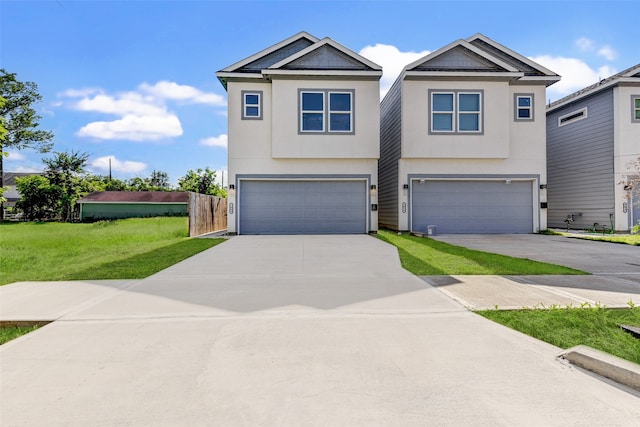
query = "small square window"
x=524 y=107
x=636 y=108
x=251 y=105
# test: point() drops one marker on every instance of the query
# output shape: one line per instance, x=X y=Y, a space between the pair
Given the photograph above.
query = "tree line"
x=65 y=180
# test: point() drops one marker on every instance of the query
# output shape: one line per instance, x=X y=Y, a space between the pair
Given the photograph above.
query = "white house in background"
x=463 y=142
x=303 y=148
x=592 y=135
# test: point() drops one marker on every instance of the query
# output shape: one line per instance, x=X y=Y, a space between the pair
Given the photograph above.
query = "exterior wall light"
x=543 y=186
x=232 y=190
x=373 y=187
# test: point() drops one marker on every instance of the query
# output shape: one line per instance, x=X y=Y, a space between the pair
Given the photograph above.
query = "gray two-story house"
x=592 y=136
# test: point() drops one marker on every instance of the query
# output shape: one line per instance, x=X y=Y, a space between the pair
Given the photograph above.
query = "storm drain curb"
x=608 y=366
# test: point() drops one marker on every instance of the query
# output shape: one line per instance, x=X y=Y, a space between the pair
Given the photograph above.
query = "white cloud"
x=584 y=44
x=392 y=61
x=174 y=91
x=126 y=166
x=141 y=115
x=608 y=53
x=575 y=73
x=15 y=156
x=215 y=141
x=134 y=128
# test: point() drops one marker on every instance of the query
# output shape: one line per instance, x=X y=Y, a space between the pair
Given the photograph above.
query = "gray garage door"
x=303 y=207
x=472 y=207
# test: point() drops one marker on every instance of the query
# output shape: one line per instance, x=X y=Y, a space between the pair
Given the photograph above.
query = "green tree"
x=19 y=120
x=201 y=181
x=38 y=198
x=3 y=134
x=159 y=179
x=65 y=170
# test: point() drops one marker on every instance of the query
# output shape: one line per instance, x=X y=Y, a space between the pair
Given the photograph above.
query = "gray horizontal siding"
x=390 y=150
x=580 y=164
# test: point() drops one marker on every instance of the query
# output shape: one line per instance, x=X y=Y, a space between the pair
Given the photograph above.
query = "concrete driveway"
x=592 y=256
x=615 y=268
x=284 y=330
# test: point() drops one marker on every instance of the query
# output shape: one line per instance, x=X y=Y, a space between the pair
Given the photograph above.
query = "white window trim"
x=326 y=112
x=330 y=112
x=517 y=107
x=456 y=112
x=323 y=111
x=258 y=93
x=566 y=119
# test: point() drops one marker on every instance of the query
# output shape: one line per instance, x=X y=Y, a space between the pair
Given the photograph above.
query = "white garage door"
x=472 y=207
x=302 y=207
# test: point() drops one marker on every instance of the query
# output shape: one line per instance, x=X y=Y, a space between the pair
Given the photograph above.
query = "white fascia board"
x=466 y=74
x=264 y=52
x=345 y=73
x=323 y=42
x=223 y=74
x=549 y=80
x=466 y=45
x=510 y=52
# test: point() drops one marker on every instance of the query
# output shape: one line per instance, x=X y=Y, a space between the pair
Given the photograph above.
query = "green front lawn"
x=570 y=326
x=427 y=257
x=124 y=249
x=8 y=333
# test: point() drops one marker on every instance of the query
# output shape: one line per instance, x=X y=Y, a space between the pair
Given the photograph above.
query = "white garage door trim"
x=317 y=209
x=530 y=216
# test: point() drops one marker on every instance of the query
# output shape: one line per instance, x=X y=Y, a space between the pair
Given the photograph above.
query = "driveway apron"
x=289 y=331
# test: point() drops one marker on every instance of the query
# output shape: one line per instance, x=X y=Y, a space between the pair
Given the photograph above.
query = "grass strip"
x=8 y=333
x=124 y=249
x=566 y=327
x=428 y=257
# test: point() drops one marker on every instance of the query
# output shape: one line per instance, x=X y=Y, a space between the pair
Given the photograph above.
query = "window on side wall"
x=457 y=112
x=251 y=105
x=523 y=107
x=326 y=111
x=635 y=105
x=573 y=117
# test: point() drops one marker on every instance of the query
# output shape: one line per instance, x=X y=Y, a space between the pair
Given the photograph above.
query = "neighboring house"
x=11 y=191
x=303 y=139
x=463 y=142
x=592 y=135
x=133 y=204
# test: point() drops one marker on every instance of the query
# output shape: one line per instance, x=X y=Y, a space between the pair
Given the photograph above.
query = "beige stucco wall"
x=289 y=143
x=272 y=146
x=507 y=148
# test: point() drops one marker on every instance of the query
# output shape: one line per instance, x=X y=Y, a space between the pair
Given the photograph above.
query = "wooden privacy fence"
x=206 y=214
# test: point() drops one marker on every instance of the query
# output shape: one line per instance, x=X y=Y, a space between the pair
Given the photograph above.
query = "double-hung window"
x=251 y=105
x=455 y=112
x=523 y=107
x=635 y=105
x=326 y=111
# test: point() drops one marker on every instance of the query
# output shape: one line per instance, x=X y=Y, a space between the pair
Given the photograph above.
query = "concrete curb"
x=608 y=366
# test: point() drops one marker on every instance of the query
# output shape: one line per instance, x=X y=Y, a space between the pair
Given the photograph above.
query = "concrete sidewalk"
x=284 y=330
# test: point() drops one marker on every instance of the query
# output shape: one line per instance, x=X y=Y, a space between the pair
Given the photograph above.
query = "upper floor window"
x=635 y=99
x=251 y=105
x=574 y=116
x=523 y=107
x=455 y=111
x=326 y=111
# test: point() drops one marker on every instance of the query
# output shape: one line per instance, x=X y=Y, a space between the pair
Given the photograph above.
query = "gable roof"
x=301 y=54
x=478 y=57
x=136 y=197
x=11 y=192
x=630 y=75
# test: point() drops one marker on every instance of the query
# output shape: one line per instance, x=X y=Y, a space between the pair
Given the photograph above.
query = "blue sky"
x=135 y=81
